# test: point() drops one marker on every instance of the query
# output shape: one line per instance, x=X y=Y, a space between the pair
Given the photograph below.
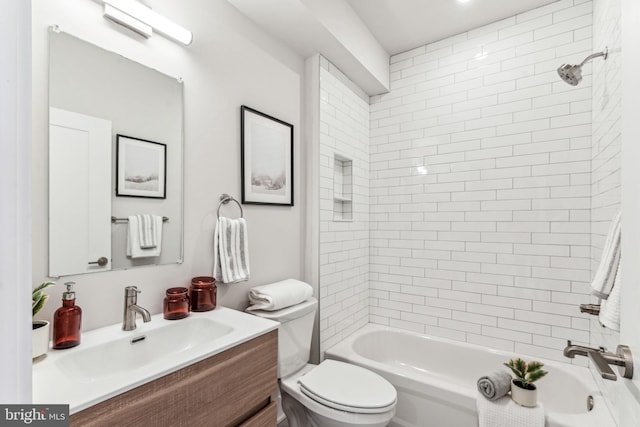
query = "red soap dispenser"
x=67 y=321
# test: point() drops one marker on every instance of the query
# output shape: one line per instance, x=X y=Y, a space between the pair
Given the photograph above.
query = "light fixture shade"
x=139 y=13
x=119 y=17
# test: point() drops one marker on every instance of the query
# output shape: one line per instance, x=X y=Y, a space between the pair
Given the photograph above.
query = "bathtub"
x=436 y=379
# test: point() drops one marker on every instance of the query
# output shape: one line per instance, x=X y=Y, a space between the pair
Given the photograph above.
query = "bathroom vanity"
x=217 y=368
x=229 y=389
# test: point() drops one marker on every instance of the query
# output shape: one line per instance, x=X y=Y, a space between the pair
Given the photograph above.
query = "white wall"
x=231 y=62
x=344 y=244
x=371 y=70
x=606 y=154
x=628 y=404
x=15 y=202
x=480 y=185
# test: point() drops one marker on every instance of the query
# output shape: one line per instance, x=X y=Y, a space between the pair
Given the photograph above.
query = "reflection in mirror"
x=108 y=111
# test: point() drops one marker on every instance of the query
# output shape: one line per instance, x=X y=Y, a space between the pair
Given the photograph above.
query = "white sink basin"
x=110 y=361
x=140 y=349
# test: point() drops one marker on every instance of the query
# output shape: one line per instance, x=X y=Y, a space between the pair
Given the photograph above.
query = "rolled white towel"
x=276 y=296
x=495 y=384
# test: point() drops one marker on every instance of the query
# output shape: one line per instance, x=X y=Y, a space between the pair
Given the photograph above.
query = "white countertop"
x=81 y=376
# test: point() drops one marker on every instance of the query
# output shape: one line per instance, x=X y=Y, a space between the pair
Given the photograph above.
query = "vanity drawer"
x=232 y=388
x=267 y=417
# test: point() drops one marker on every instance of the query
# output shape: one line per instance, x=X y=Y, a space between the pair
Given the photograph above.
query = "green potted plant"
x=523 y=391
x=40 y=332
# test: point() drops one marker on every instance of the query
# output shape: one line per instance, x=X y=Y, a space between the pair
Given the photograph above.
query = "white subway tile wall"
x=344 y=244
x=606 y=149
x=481 y=178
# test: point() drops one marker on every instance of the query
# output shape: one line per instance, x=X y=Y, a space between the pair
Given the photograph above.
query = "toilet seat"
x=349 y=388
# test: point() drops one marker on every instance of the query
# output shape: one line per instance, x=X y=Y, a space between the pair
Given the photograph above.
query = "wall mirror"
x=115 y=151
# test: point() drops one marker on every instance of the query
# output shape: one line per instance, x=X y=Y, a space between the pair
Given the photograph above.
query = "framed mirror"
x=106 y=110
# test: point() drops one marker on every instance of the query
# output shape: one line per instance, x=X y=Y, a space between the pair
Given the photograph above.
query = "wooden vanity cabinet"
x=233 y=388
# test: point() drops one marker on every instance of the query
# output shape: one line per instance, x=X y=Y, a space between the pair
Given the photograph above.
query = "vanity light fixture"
x=141 y=19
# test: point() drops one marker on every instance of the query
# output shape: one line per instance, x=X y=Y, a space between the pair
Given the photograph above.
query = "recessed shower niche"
x=342 y=188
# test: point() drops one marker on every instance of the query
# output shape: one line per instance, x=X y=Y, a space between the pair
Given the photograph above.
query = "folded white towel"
x=504 y=412
x=147 y=231
x=276 y=296
x=609 y=315
x=231 y=251
x=606 y=272
x=134 y=246
x=495 y=384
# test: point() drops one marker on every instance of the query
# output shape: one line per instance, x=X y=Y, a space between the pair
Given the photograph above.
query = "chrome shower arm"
x=604 y=53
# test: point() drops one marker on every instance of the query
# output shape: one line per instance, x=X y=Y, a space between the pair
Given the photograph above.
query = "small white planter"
x=527 y=397
x=39 y=338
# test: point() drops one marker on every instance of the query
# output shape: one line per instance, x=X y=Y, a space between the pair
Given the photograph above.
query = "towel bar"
x=114 y=219
x=224 y=199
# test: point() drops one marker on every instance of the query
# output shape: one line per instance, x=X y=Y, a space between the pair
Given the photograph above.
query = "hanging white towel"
x=134 y=246
x=276 y=296
x=231 y=251
x=609 y=315
x=504 y=412
x=606 y=272
x=147 y=231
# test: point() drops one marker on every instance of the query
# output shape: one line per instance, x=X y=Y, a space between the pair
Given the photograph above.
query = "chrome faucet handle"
x=131 y=290
x=131 y=308
x=625 y=368
x=602 y=366
x=601 y=358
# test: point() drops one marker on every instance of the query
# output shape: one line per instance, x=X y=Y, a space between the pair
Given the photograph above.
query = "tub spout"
x=571 y=350
x=602 y=359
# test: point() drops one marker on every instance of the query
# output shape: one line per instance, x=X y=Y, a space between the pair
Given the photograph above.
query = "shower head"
x=572 y=74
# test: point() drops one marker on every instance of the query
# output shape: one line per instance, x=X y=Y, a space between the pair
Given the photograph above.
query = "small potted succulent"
x=40 y=332
x=523 y=391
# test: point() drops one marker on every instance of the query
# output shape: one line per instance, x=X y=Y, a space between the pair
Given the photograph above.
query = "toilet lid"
x=348 y=387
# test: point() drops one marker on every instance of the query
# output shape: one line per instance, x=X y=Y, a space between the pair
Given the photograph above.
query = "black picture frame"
x=141 y=168
x=266 y=159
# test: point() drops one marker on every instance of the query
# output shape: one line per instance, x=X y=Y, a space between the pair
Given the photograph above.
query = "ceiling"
x=358 y=36
x=401 y=25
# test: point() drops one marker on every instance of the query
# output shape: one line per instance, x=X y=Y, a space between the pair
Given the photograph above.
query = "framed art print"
x=141 y=168
x=267 y=159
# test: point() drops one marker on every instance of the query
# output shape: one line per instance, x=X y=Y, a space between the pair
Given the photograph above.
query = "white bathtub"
x=436 y=379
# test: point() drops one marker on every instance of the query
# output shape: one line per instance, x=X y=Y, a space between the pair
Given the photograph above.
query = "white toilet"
x=331 y=394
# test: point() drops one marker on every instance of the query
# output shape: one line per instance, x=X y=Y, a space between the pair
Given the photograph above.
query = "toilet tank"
x=294 y=334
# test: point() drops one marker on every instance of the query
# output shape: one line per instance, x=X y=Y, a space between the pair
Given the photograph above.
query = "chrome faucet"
x=602 y=359
x=131 y=307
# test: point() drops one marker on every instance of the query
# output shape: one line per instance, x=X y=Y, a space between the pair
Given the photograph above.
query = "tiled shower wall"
x=344 y=239
x=481 y=185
